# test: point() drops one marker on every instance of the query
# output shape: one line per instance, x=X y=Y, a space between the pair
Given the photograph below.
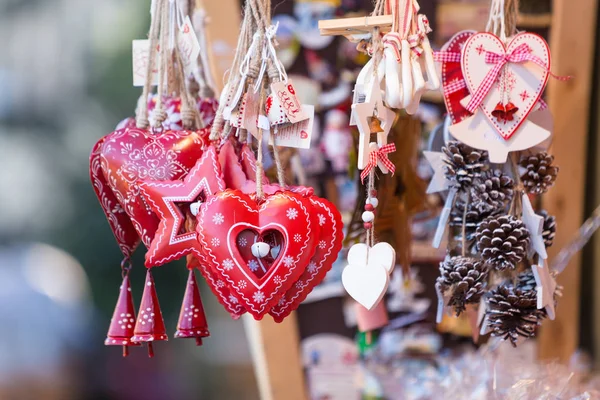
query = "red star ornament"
x=171 y=240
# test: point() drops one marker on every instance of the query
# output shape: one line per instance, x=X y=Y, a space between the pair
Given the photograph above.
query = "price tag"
x=189 y=46
x=286 y=94
x=297 y=135
x=140 y=50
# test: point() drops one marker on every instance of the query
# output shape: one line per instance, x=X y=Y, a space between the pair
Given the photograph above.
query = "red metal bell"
x=511 y=109
x=500 y=112
x=150 y=325
x=121 y=326
x=192 y=320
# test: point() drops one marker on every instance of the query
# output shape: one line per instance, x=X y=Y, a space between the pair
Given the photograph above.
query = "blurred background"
x=66 y=81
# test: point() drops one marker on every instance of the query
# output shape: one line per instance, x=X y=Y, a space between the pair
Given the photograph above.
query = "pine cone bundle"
x=540 y=174
x=463 y=163
x=503 y=241
x=549 y=229
x=513 y=312
x=492 y=191
x=463 y=278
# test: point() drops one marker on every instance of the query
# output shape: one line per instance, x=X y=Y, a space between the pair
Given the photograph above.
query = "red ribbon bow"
x=520 y=54
x=380 y=155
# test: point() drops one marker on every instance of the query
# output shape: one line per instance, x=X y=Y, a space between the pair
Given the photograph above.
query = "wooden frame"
x=572 y=44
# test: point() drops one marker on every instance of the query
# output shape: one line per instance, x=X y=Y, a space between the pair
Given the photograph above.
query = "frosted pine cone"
x=513 y=312
x=463 y=163
x=464 y=279
x=492 y=191
x=502 y=241
x=549 y=228
x=473 y=218
x=540 y=174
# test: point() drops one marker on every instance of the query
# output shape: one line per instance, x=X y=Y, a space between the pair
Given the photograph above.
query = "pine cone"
x=492 y=191
x=513 y=312
x=540 y=174
x=502 y=241
x=526 y=281
x=549 y=228
x=464 y=279
x=463 y=163
x=473 y=218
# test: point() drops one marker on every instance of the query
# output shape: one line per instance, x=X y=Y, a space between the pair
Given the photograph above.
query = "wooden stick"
x=355 y=26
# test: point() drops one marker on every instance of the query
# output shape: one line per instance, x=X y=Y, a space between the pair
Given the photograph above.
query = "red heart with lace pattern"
x=131 y=155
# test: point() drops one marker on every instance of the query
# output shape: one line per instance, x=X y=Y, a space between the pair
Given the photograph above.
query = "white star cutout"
x=546 y=285
x=535 y=225
x=438 y=181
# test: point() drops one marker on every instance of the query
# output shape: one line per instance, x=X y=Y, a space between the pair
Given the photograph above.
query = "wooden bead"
x=373 y=201
x=368 y=216
x=369 y=207
x=368 y=225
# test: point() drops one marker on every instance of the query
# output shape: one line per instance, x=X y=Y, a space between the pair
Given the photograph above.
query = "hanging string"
x=160 y=114
x=153 y=36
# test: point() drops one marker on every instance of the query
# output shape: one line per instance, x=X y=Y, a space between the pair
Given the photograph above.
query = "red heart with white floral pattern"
x=285 y=221
x=131 y=155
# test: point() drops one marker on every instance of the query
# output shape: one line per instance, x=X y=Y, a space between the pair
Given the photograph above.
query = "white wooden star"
x=546 y=285
x=373 y=106
x=535 y=225
x=438 y=181
x=482 y=318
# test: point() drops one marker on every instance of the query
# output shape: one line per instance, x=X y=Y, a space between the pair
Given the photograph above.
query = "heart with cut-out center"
x=520 y=82
x=229 y=222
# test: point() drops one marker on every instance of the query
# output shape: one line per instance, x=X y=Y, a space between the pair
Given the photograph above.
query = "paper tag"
x=140 y=58
x=189 y=46
x=286 y=94
x=297 y=135
x=263 y=122
x=251 y=113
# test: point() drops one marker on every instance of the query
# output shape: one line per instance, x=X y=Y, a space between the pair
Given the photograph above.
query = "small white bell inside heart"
x=195 y=207
x=260 y=249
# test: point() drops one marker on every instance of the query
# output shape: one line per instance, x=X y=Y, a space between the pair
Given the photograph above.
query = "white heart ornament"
x=365 y=283
x=382 y=254
x=524 y=81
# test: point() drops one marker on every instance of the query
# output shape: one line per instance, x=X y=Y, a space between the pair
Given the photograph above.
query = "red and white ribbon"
x=520 y=54
x=380 y=155
x=446 y=56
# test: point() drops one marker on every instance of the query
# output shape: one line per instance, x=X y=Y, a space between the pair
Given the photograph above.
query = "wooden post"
x=275 y=350
x=572 y=43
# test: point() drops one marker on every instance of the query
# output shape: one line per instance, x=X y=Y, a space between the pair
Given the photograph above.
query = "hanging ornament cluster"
x=187 y=186
x=496 y=265
x=400 y=70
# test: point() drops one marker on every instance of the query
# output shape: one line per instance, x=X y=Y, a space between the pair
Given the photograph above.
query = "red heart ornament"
x=132 y=155
x=453 y=81
x=326 y=252
x=224 y=220
x=119 y=221
x=522 y=83
x=218 y=286
x=170 y=200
